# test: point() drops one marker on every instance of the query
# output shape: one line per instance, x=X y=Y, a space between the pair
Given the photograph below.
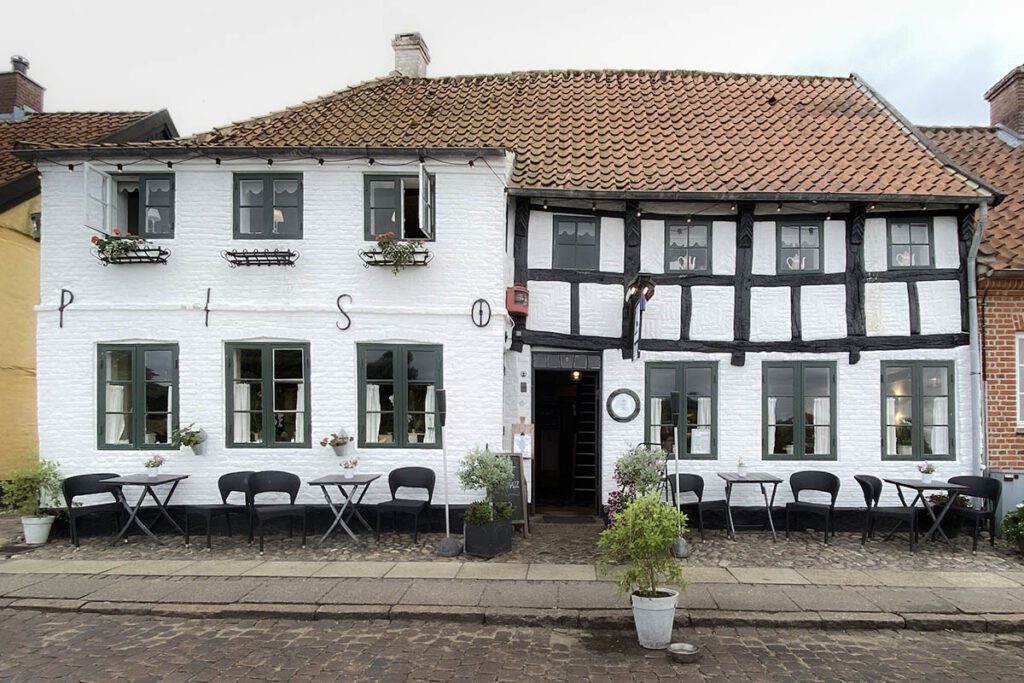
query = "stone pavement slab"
x=30 y=566
x=150 y=567
x=527 y=594
x=830 y=598
x=424 y=570
x=435 y=592
x=285 y=568
x=561 y=572
x=288 y=590
x=696 y=597
x=708 y=575
x=840 y=577
x=757 y=598
x=367 y=591
x=12 y=582
x=134 y=590
x=977 y=580
x=354 y=570
x=590 y=595
x=502 y=571
x=906 y=599
x=1015 y=576
x=215 y=589
x=63 y=587
x=982 y=600
x=909 y=579
x=217 y=568
x=773 y=575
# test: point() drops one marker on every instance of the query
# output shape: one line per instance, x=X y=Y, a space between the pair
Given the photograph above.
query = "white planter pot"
x=742 y=471
x=153 y=472
x=348 y=474
x=37 y=529
x=338 y=451
x=654 y=618
x=927 y=478
x=199 y=448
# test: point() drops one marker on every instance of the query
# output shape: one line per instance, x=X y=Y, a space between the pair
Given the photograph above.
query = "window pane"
x=780 y=440
x=698 y=259
x=900 y=233
x=158 y=220
x=288 y=363
x=286 y=221
x=250 y=192
x=565 y=256
x=779 y=381
x=936 y=441
x=900 y=256
x=816 y=381
x=380 y=427
x=159 y=365
x=782 y=412
x=698 y=381
x=248 y=363
x=677 y=236
x=379 y=364
x=119 y=365
x=699 y=440
x=790 y=237
x=287 y=396
x=248 y=396
x=383 y=221
x=586 y=258
x=158 y=429
x=250 y=221
x=118 y=398
x=422 y=366
x=286 y=193
x=698 y=236
x=935 y=381
x=158 y=397
x=661 y=381
x=565 y=232
x=898 y=381
x=158 y=192
x=920 y=255
x=817 y=440
x=586 y=232
x=383 y=194
x=809 y=259
x=936 y=410
x=248 y=427
x=288 y=428
x=919 y=233
x=791 y=259
x=117 y=428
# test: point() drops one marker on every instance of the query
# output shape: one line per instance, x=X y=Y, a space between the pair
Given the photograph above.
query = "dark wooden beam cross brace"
x=631 y=267
x=520 y=239
x=744 y=267
x=965 y=233
x=855 y=276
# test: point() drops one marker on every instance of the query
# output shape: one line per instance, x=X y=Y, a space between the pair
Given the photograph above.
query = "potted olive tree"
x=25 y=493
x=487 y=526
x=641 y=537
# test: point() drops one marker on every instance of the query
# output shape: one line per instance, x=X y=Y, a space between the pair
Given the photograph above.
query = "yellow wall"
x=19 y=293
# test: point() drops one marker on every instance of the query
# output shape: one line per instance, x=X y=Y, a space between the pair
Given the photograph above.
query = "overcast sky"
x=211 y=62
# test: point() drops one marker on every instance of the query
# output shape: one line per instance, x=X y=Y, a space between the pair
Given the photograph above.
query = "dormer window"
x=910 y=243
x=399 y=204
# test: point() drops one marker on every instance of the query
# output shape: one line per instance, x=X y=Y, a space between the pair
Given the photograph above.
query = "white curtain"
x=300 y=413
x=243 y=420
x=702 y=435
x=656 y=418
x=115 y=427
x=940 y=416
x=890 y=429
x=772 y=401
x=822 y=417
x=429 y=407
x=372 y=413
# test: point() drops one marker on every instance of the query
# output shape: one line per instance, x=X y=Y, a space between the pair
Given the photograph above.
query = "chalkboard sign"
x=516 y=496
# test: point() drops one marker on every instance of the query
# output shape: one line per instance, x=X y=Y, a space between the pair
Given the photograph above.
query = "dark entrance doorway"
x=566 y=425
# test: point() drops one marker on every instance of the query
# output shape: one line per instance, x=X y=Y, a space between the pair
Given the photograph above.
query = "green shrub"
x=640 y=470
x=186 y=436
x=642 y=536
x=1013 y=524
x=491 y=472
x=29 y=486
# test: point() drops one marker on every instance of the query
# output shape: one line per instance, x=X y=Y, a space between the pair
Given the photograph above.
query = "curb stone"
x=764 y=619
x=352 y=612
x=974 y=623
x=521 y=616
x=861 y=620
x=472 y=615
x=48 y=604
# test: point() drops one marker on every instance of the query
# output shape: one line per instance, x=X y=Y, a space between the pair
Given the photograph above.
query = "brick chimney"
x=1006 y=100
x=411 y=55
x=19 y=94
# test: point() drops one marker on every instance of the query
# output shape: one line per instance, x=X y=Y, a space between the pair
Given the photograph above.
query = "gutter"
x=979 y=414
x=751 y=196
x=111 y=151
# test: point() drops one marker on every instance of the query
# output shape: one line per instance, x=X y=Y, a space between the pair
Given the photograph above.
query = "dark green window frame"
x=266 y=381
x=137 y=386
x=401 y=382
x=683 y=425
x=268 y=206
x=917 y=422
x=687 y=226
x=910 y=221
x=799 y=424
x=144 y=179
x=559 y=241
x=781 y=262
x=398 y=205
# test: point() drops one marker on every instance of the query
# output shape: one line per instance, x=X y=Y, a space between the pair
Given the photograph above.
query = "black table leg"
x=355 y=507
x=728 y=509
x=133 y=517
x=936 y=525
x=768 y=510
x=162 y=506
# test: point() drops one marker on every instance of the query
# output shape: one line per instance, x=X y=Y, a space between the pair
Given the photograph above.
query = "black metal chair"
x=872 y=488
x=412 y=478
x=88 y=485
x=273 y=481
x=989 y=491
x=810 y=480
x=692 y=483
x=232 y=482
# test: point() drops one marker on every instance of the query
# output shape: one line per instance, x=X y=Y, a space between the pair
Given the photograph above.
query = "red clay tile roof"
x=674 y=131
x=58 y=127
x=981 y=150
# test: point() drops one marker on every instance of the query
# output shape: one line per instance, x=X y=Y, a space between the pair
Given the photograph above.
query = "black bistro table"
x=349 y=487
x=147 y=483
x=759 y=478
x=921 y=489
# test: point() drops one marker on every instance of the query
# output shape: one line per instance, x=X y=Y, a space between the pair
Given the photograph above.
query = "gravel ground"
x=89 y=647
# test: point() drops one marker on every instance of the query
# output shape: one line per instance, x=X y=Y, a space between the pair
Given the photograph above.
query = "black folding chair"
x=412 y=478
x=232 y=482
x=989 y=491
x=824 y=482
x=273 y=481
x=872 y=489
x=694 y=484
x=88 y=485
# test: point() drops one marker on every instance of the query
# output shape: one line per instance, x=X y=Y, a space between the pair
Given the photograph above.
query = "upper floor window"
x=917 y=400
x=397 y=395
x=268 y=206
x=268 y=394
x=911 y=243
x=799 y=247
x=144 y=205
x=137 y=395
x=576 y=244
x=799 y=410
x=687 y=247
x=399 y=204
x=694 y=429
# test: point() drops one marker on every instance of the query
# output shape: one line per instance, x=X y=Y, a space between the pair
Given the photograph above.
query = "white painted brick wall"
x=939 y=303
x=613 y=237
x=712 y=313
x=549 y=306
x=598 y=306
x=875 y=245
x=652 y=246
x=539 y=243
x=947 y=254
x=835 y=247
x=662 y=317
x=723 y=247
x=886 y=308
x=823 y=312
x=764 y=248
x=770 y=314
x=164 y=303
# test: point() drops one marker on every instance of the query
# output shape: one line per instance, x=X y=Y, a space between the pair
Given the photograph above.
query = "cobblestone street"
x=39 y=646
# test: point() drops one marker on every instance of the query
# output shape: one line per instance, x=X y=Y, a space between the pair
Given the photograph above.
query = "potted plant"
x=349 y=467
x=153 y=465
x=337 y=443
x=24 y=494
x=193 y=438
x=1013 y=526
x=487 y=525
x=927 y=471
x=638 y=471
x=397 y=252
x=641 y=537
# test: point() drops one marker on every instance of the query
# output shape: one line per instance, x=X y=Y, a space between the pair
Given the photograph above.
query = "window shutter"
x=426 y=203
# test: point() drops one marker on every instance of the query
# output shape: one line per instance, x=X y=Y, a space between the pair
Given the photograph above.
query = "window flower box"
x=396 y=254
x=117 y=248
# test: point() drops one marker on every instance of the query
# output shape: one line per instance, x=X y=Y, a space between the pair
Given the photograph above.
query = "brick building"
x=996 y=153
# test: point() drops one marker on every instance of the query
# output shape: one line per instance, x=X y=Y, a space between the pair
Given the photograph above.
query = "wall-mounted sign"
x=480 y=312
x=623 y=405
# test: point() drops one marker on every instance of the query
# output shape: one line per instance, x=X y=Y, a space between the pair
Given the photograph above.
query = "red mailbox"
x=517 y=300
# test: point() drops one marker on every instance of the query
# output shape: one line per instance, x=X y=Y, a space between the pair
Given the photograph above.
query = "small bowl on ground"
x=683 y=653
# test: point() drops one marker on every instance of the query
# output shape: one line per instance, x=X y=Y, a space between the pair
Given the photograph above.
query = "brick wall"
x=1002 y=321
x=18 y=90
x=1006 y=101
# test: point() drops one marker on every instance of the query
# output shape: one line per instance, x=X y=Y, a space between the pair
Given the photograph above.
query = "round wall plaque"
x=623 y=405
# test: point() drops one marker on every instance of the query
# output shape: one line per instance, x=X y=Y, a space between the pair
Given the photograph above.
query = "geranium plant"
x=187 y=436
x=926 y=468
x=116 y=244
x=154 y=461
x=350 y=464
x=335 y=440
x=398 y=252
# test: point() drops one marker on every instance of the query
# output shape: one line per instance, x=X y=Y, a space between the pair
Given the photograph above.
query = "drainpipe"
x=979 y=416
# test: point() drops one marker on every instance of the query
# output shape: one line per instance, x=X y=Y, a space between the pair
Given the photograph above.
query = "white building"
x=806 y=245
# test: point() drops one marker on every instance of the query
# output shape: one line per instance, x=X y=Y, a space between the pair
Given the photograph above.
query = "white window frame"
x=105 y=201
